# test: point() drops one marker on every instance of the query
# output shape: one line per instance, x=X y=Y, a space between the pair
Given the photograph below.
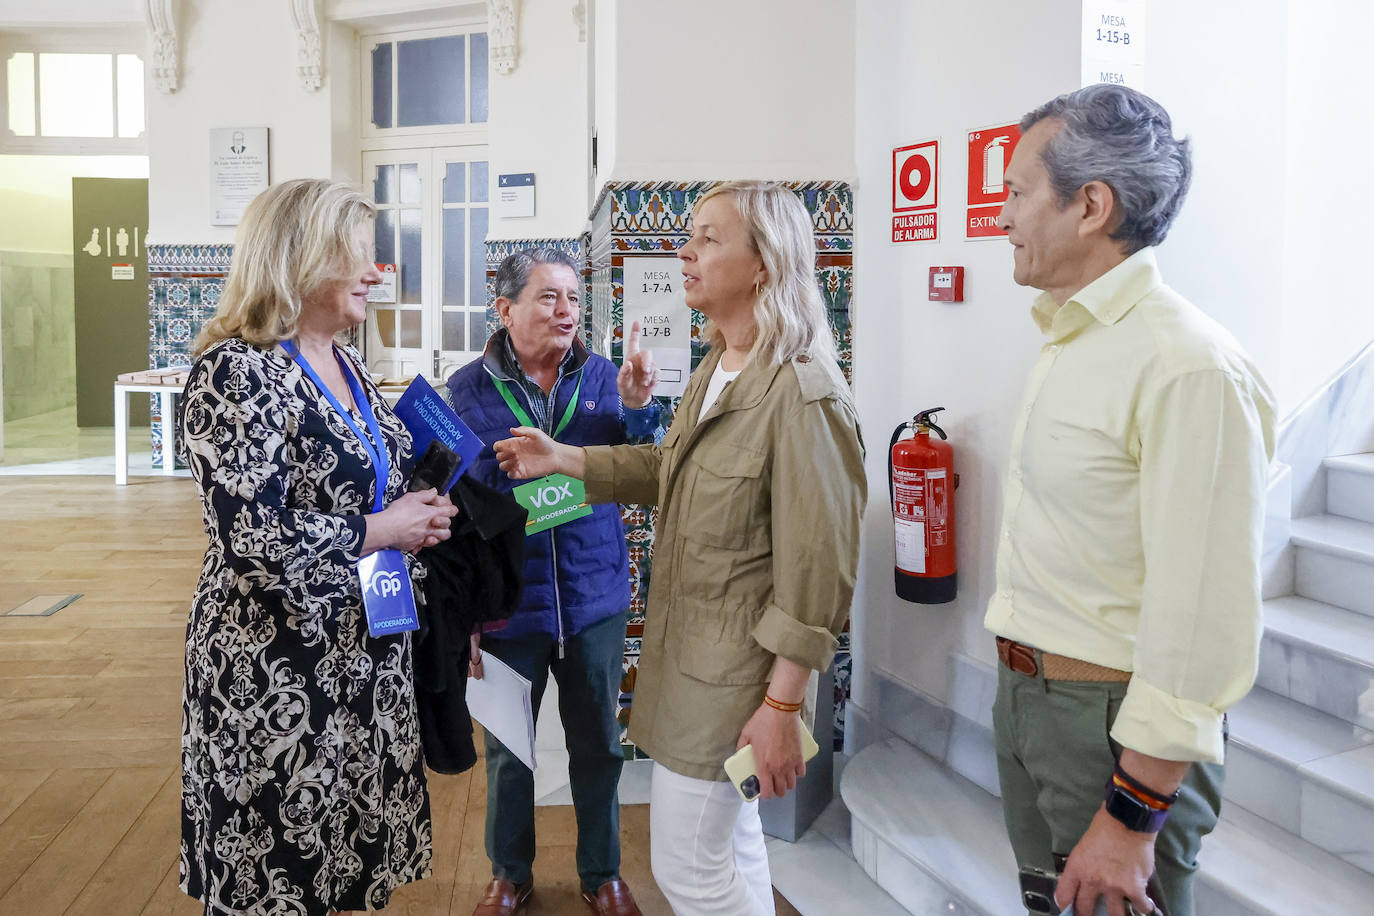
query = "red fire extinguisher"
x=921 y=481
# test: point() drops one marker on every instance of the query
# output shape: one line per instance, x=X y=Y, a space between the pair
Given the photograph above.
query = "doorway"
x=432 y=218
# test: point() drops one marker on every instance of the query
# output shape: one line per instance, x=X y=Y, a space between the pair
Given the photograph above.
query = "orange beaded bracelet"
x=780 y=706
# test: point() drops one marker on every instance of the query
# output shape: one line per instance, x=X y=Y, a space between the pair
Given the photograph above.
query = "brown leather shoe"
x=612 y=899
x=504 y=897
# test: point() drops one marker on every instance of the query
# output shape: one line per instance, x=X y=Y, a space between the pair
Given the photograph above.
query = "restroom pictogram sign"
x=989 y=151
x=915 y=192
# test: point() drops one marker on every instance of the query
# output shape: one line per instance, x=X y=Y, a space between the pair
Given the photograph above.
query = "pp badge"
x=552 y=501
x=387 y=596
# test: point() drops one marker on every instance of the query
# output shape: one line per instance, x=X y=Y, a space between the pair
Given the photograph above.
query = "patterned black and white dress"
x=303 y=786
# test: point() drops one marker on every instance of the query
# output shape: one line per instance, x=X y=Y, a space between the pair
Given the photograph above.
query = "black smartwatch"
x=1132 y=813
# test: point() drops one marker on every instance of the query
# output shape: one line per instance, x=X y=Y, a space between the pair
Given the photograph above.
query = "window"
x=68 y=97
x=425 y=82
x=423 y=109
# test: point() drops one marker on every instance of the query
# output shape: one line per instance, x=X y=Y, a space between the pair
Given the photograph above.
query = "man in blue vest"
x=537 y=372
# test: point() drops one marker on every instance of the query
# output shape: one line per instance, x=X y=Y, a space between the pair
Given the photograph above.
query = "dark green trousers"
x=588 y=679
x=1054 y=756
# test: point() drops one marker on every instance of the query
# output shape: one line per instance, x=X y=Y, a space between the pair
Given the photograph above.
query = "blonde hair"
x=295 y=237
x=789 y=312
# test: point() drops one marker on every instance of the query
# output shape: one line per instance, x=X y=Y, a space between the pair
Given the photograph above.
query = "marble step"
x=930 y=838
x=1334 y=561
x=818 y=874
x=937 y=844
x=1350 y=486
x=1320 y=655
x=1249 y=867
x=1307 y=772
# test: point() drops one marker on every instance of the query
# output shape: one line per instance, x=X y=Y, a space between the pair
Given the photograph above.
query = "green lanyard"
x=524 y=418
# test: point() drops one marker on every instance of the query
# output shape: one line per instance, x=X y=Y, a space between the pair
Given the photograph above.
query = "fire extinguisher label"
x=908 y=496
x=937 y=506
x=911 y=546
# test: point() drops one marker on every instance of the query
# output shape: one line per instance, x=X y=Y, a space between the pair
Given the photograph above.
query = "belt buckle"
x=1019 y=658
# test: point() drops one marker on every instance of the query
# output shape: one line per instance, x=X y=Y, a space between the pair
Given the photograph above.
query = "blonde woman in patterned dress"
x=303 y=786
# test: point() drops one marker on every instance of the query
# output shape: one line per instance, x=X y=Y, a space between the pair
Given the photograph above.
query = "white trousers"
x=706 y=847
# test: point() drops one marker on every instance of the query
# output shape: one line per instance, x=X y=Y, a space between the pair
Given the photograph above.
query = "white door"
x=432 y=224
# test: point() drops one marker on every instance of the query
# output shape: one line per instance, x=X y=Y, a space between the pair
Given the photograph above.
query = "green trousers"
x=1054 y=756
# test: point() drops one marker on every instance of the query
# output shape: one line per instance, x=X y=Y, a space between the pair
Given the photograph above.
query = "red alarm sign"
x=915 y=192
x=989 y=151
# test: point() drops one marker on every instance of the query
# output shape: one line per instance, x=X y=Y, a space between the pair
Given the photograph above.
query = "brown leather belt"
x=1027 y=660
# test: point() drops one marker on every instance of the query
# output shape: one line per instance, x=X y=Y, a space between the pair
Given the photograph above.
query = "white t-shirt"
x=719 y=379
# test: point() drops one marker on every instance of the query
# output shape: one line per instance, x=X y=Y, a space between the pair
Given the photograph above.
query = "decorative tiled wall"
x=184 y=285
x=654 y=218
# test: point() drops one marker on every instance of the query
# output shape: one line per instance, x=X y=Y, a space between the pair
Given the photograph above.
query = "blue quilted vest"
x=577 y=573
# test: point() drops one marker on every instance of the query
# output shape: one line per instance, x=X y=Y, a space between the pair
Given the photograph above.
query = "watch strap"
x=1132 y=813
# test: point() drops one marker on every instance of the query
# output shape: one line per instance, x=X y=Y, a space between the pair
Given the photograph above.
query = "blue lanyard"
x=376 y=449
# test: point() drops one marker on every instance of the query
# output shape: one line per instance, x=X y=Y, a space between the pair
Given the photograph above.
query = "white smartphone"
x=744 y=773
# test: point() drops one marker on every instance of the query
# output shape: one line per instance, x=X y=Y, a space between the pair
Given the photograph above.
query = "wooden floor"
x=90 y=720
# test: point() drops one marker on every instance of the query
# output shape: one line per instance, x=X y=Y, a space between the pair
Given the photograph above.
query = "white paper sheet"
x=500 y=700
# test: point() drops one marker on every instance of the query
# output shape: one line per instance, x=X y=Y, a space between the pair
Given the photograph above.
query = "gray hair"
x=514 y=272
x=1124 y=139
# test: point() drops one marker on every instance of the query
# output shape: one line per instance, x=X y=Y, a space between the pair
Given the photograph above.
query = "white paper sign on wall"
x=515 y=195
x=385 y=291
x=238 y=171
x=1113 y=47
x=654 y=297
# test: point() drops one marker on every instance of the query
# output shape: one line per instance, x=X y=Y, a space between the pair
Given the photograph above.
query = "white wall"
x=603 y=73
x=1328 y=309
x=23 y=13
x=927 y=70
x=36 y=196
x=1226 y=251
x=238 y=69
x=727 y=89
x=539 y=123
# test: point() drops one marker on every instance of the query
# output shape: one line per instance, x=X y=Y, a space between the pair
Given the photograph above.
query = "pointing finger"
x=632 y=345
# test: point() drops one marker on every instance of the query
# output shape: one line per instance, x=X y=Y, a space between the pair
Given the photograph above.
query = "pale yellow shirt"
x=1135 y=506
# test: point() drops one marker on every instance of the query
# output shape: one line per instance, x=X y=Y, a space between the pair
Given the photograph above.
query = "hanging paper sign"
x=386 y=290
x=655 y=298
x=1113 y=46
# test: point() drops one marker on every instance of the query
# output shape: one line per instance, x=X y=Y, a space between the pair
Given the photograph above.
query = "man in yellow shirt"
x=1127 y=607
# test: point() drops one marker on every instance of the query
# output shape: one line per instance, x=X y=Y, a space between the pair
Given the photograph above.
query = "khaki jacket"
x=756 y=549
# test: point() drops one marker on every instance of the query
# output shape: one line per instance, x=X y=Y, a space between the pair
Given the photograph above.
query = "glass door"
x=462 y=245
x=432 y=224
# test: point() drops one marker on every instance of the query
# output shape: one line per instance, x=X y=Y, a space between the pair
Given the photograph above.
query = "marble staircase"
x=1297 y=830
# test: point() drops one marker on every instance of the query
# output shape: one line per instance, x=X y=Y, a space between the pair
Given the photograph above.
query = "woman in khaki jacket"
x=760 y=487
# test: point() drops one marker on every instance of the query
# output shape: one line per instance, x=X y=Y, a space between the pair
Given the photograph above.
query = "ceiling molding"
x=503 y=25
x=309 y=55
x=579 y=15
x=165 y=69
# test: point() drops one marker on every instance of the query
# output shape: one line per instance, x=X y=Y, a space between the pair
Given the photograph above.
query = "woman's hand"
x=416 y=520
x=776 y=737
x=637 y=376
x=530 y=453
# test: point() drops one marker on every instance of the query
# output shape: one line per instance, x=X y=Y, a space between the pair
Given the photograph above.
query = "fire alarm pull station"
x=946 y=284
